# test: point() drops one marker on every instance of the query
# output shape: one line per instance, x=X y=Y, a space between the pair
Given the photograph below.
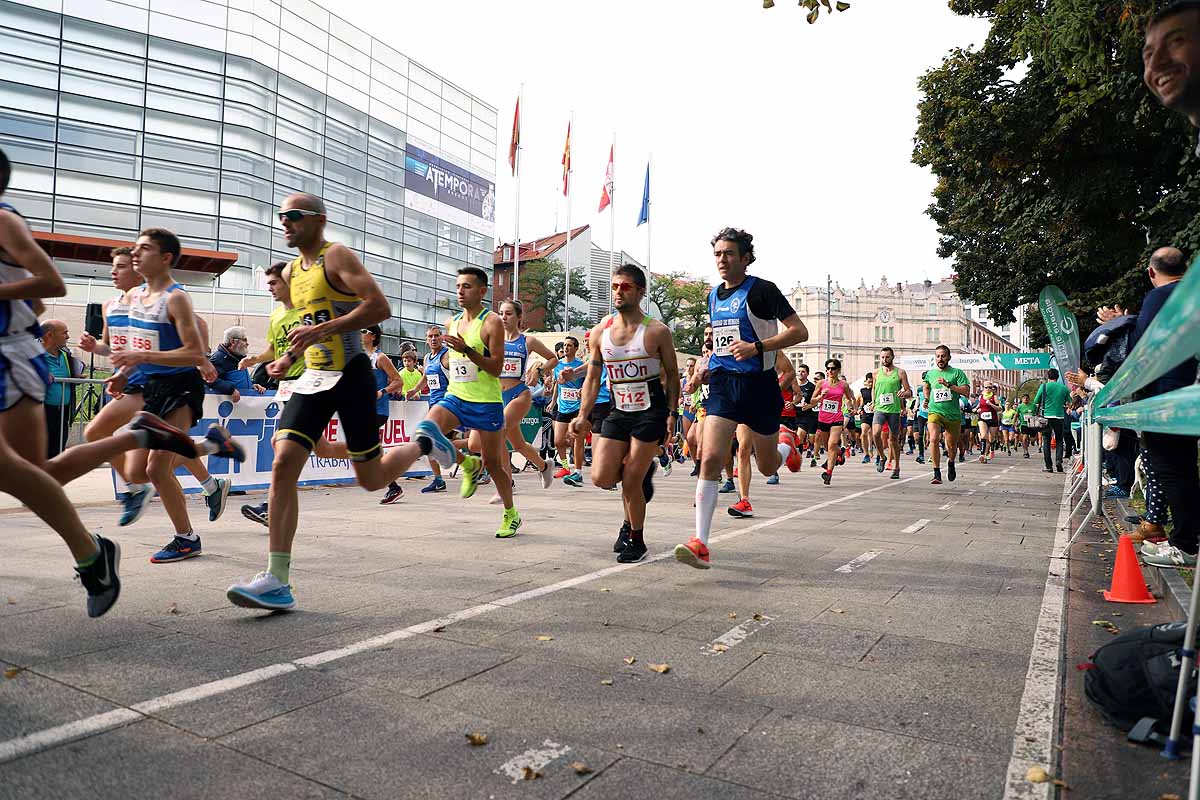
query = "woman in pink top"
x=989 y=423
x=828 y=401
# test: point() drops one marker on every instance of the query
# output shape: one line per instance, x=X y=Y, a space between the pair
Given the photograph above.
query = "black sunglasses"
x=297 y=214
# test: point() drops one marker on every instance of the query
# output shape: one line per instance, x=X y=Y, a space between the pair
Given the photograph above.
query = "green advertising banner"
x=983 y=361
x=1061 y=326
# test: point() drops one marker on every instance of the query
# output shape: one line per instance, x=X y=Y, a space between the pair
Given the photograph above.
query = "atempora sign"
x=981 y=361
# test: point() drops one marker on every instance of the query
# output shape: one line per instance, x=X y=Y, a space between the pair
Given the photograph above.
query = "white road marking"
x=1037 y=719
x=99 y=723
x=532 y=758
x=948 y=505
x=970 y=493
x=916 y=526
x=736 y=635
x=985 y=483
x=846 y=569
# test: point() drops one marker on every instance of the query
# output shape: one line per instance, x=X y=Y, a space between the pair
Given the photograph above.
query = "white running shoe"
x=547 y=474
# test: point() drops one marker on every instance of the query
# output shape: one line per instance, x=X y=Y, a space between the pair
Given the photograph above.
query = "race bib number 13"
x=463 y=370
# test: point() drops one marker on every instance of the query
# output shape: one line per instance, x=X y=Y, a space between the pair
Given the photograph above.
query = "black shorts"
x=565 y=416
x=645 y=426
x=807 y=422
x=600 y=412
x=790 y=423
x=826 y=427
x=352 y=398
x=166 y=393
x=1027 y=431
x=748 y=398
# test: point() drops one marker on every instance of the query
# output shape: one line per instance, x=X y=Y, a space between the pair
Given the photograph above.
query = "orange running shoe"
x=694 y=553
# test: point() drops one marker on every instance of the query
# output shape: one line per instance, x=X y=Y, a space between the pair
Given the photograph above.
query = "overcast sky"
x=801 y=134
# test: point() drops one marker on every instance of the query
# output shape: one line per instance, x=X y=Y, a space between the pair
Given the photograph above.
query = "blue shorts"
x=748 y=398
x=688 y=414
x=515 y=392
x=475 y=416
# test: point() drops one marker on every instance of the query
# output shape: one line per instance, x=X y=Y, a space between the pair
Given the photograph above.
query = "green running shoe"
x=512 y=521
x=471 y=467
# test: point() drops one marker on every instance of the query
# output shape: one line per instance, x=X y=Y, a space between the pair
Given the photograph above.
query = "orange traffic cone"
x=1128 y=585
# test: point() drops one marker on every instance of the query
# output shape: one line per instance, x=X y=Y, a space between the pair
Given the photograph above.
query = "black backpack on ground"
x=1135 y=676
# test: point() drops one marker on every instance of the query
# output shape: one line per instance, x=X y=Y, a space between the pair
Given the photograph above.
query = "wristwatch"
x=759 y=347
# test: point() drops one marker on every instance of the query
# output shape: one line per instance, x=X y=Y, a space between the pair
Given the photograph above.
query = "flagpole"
x=649 y=222
x=517 y=216
x=612 y=217
x=567 y=277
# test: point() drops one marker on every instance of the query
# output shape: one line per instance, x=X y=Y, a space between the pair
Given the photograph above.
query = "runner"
x=687 y=411
x=26 y=275
x=387 y=382
x=891 y=392
x=921 y=421
x=745 y=313
x=568 y=378
x=806 y=413
x=515 y=377
x=989 y=422
x=436 y=380
x=866 y=412
x=699 y=392
x=791 y=399
x=1008 y=426
x=1025 y=410
x=599 y=411
x=742 y=509
x=830 y=395
x=123 y=407
x=164 y=341
x=635 y=352
x=944 y=387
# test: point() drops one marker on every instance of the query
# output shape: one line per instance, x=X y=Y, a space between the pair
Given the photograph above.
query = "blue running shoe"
x=727 y=488
x=136 y=501
x=440 y=449
x=216 y=500
x=177 y=549
x=435 y=485
x=1116 y=493
x=484 y=478
x=257 y=514
x=574 y=479
x=226 y=446
x=263 y=591
x=773 y=480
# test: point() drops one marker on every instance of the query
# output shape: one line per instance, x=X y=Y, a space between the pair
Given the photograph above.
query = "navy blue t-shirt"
x=1180 y=376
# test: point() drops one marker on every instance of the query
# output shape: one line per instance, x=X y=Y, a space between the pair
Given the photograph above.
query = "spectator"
x=1052 y=398
x=230 y=379
x=60 y=397
x=414 y=379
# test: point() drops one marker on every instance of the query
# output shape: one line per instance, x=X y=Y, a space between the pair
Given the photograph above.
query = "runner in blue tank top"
x=568 y=380
x=387 y=381
x=751 y=320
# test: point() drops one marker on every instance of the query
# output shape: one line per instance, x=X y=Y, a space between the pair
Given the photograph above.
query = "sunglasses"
x=623 y=286
x=297 y=214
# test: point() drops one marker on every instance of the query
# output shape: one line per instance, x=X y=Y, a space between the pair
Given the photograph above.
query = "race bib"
x=725 y=333
x=941 y=394
x=633 y=396
x=830 y=406
x=433 y=380
x=868 y=409
x=118 y=338
x=143 y=340
x=511 y=367
x=463 y=370
x=315 y=381
x=887 y=399
x=687 y=401
x=568 y=394
x=285 y=391
x=985 y=415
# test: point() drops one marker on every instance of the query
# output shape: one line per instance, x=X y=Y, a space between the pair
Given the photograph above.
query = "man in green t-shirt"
x=1053 y=397
x=1025 y=410
x=944 y=387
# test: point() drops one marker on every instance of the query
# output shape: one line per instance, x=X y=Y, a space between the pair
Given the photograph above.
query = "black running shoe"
x=648 y=481
x=632 y=553
x=896 y=474
x=826 y=476
x=696 y=470
x=256 y=514
x=950 y=471
x=226 y=446
x=622 y=537
x=163 y=436
x=100 y=578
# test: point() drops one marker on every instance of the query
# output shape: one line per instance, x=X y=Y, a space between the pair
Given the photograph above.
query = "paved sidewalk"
x=866 y=646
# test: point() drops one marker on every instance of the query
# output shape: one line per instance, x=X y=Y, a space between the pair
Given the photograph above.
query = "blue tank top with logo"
x=732 y=321
x=516 y=355
x=151 y=330
x=435 y=376
x=381 y=380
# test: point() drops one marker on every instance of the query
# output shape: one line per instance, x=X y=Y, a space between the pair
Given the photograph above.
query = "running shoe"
x=773 y=480
x=472 y=466
x=100 y=578
x=434 y=486
x=961 y=458
x=727 y=487
x=484 y=478
x=812 y=463
x=263 y=591
x=1116 y=493
x=1027 y=455
x=177 y=549
x=663 y=458
x=561 y=473
x=937 y=477
x=256 y=514
x=508 y=527
x=794 y=460
x=1058 y=467
x=896 y=474
x=440 y=448
x=694 y=554
x=983 y=459
x=841 y=459
x=919 y=459
x=135 y=504
x=495 y=499
x=546 y=473
x=826 y=476
x=622 y=537
x=1169 y=556
x=163 y=436
x=394 y=494
x=879 y=465
x=648 y=482
x=866 y=459
x=216 y=500
x=226 y=446
x=632 y=553
x=695 y=473
x=574 y=479
x=741 y=509
x=950 y=471
x=666 y=468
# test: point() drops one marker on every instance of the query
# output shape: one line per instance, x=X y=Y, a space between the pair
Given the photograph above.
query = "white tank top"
x=628 y=362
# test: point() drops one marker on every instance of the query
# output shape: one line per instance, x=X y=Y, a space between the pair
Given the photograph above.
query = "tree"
x=1070 y=173
x=814 y=10
x=541 y=289
x=689 y=300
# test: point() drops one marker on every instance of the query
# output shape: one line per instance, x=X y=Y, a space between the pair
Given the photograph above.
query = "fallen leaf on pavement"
x=606 y=682
x=630 y=660
x=720 y=648
x=530 y=774
x=660 y=668
x=544 y=638
x=758 y=617
x=606 y=590
x=11 y=673
x=581 y=768
x=1106 y=625
x=1036 y=775
x=173 y=608
x=477 y=739
x=1061 y=784
x=732 y=615
x=838 y=610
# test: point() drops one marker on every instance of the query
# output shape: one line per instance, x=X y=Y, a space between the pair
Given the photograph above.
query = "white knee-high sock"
x=706 y=504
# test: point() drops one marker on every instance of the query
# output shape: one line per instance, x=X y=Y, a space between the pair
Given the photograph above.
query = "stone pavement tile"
x=468 y=582
x=795 y=603
x=630 y=777
x=25 y=588
x=31 y=702
x=649 y=609
x=52 y=633
x=812 y=642
x=150 y=759
x=256 y=631
x=983 y=630
x=650 y=718
x=938 y=662
x=390 y=746
x=789 y=753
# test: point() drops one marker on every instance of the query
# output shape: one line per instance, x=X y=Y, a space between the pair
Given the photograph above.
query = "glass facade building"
x=202 y=116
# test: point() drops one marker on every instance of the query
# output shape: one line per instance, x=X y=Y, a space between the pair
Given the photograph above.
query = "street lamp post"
x=828 y=317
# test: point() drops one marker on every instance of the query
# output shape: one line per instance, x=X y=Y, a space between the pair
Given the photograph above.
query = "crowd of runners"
x=740 y=405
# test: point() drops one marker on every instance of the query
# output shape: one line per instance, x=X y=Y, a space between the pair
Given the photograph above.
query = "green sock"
x=278 y=565
x=87 y=562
